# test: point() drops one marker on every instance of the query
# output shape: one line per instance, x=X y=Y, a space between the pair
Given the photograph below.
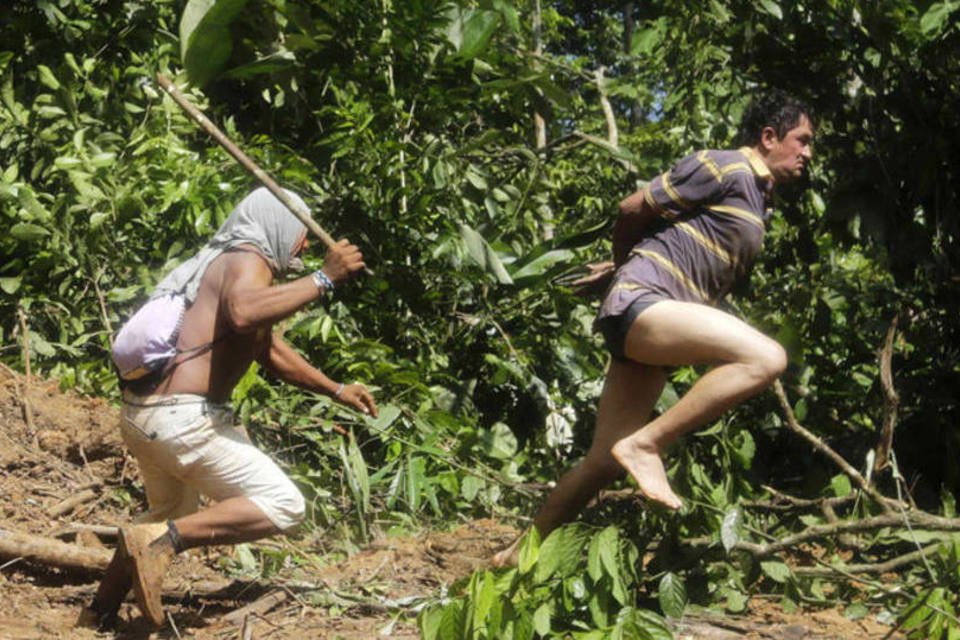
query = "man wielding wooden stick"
x=181 y=429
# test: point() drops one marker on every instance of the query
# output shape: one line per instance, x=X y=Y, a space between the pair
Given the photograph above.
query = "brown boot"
x=148 y=566
x=101 y=614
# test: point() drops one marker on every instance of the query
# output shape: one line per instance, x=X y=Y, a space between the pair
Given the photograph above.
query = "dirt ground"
x=71 y=450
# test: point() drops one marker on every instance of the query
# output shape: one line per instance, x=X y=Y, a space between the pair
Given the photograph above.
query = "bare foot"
x=646 y=467
x=508 y=557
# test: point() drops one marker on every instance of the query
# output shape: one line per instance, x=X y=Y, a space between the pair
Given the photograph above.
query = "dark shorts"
x=614 y=329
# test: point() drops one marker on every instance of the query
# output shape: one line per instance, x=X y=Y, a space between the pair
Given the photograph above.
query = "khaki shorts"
x=187 y=446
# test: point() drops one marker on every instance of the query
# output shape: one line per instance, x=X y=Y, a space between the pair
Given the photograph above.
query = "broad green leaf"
x=483 y=254
x=594 y=564
x=646 y=40
x=272 y=63
x=416 y=481
x=205 y=41
x=560 y=552
x=736 y=601
x=478 y=27
x=840 y=484
x=771 y=7
x=47 y=78
x=541 y=264
x=97 y=219
x=509 y=13
x=40 y=346
x=28 y=232
x=67 y=162
x=775 y=570
x=453 y=622
x=482 y=593
x=5 y=58
x=470 y=487
x=529 y=550
x=245 y=558
x=856 y=611
x=10 y=285
x=104 y=159
x=600 y=606
x=745 y=449
x=730 y=528
x=429 y=622
x=609 y=545
x=498 y=442
x=541 y=619
x=387 y=415
x=936 y=16
x=672 y=595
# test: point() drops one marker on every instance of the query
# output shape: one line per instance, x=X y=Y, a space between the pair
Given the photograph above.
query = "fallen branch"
x=918 y=519
x=789 y=502
x=884 y=502
x=74 y=501
x=52 y=552
x=868 y=569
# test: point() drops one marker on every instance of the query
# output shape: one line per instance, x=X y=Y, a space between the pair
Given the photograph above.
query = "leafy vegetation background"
x=410 y=128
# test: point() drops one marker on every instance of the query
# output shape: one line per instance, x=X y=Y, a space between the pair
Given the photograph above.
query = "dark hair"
x=775 y=109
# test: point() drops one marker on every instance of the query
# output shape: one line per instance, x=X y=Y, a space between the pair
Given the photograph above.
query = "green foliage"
x=408 y=127
x=577 y=583
x=933 y=612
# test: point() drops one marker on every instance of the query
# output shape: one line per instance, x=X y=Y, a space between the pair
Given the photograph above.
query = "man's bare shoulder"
x=245 y=263
x=235 y=267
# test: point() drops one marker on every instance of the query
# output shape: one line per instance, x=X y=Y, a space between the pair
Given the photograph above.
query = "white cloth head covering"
x=261 y=220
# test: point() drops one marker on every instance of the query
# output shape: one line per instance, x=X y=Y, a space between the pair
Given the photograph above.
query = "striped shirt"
x=713 y=210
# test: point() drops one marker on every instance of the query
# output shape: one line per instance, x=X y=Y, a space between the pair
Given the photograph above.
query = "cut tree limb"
x=887 y=504
x=74 y=501
x=51 y=552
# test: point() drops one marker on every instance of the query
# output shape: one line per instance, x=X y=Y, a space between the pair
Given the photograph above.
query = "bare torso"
x=214 y=372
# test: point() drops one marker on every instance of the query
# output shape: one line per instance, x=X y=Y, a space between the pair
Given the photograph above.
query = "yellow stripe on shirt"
x=663 y=213
x=706 y=242
x=737 y=167
x=711 y=166
x=743 y=214
x=665 y=181
x=674 y=271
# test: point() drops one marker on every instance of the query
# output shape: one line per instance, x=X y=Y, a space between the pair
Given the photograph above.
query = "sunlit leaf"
x=28 y=232
x=730 y=528
x=775 y=570
x=205 y=41
x=672 y=595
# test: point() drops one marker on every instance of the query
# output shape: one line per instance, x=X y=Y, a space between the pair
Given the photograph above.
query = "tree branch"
x=891 y=401
x=822 y=447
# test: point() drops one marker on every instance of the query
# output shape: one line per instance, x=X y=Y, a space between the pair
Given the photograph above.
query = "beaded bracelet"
x=322 y=281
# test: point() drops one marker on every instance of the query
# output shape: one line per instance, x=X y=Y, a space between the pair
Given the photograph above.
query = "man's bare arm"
x=251 y=303
x=248 y=300
x=282 y=360
x=635 y=215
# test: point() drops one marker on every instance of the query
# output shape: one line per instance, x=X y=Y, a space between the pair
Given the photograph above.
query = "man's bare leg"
x=630 y=392
x=674 y=333
x=229 y=521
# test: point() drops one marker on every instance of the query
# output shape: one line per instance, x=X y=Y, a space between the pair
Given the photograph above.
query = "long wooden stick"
x=301 y=212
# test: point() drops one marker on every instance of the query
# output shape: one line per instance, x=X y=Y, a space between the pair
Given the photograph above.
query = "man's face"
x=301 y=246
x=786 y=157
